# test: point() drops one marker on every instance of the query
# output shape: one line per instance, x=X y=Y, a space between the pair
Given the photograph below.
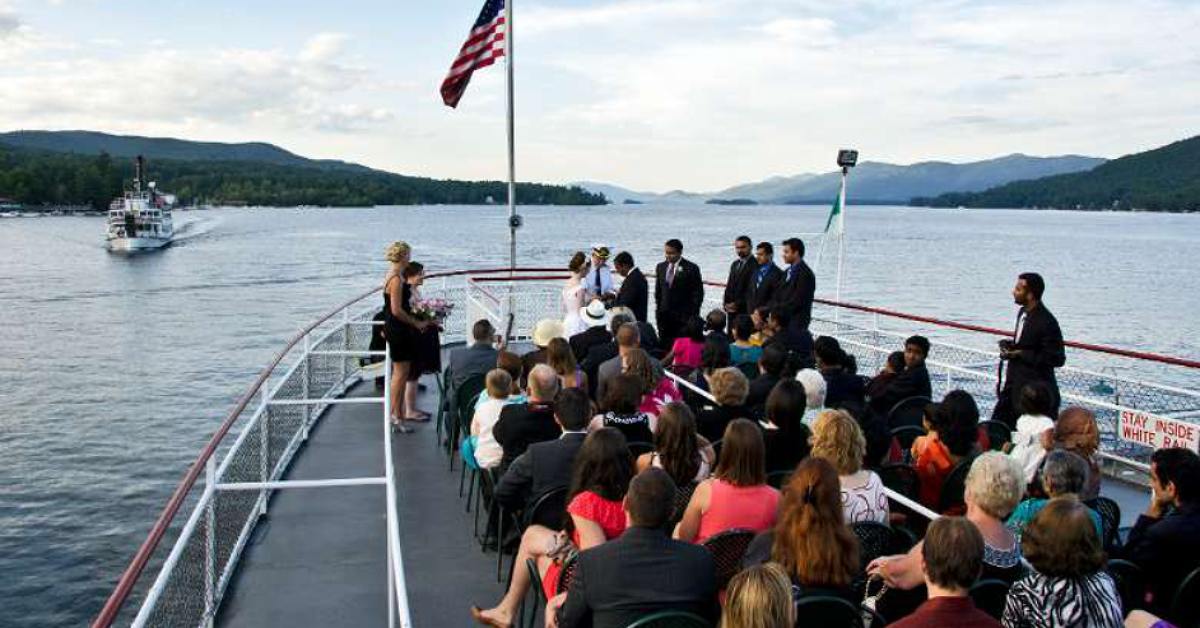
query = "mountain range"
x=872 y=182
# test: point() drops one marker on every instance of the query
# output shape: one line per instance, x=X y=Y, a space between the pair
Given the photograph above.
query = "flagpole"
x=837 y=295
x=513 y=220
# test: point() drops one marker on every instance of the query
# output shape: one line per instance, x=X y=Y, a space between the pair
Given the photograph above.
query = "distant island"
x=730 y=201
x=630 y=201
x=87 y=168
x=1165 y=179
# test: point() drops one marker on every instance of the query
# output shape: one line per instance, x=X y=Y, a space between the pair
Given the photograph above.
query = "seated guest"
x=912 y=381
x=1165 y=541
x=685 y=455
x=626 y=338
x=729 y=388
x=714 y=325
x=648 y=337
x=641 y=572
x=784 y=434
x=838 y=439
x=523 y=424
x=814 y=392
x=510 y=363
x=760 y=316
x=476 y=359
x=560 y=358
x=620 y=410
x=684 y=355
x=842 y=388
x=487 y=450
x=599 y=479
x=770 y=368
x=544 y=331
x=1068 y=585
x=811 y=542
x=657 y=389
x=1076 y=431
x=892 y=367
x=951 y=559
x=713 y=357
x=994 y=487
x=595 y=316
x=1036 y=405
x=737 y=496
x=953 y=427
x=1063 y=475
x=798 y=343
x=547 y=465
x=759 y=597
x=742 y=351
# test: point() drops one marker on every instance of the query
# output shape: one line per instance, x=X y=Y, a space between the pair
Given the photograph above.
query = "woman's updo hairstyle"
x=577 y=262
x=397 y=252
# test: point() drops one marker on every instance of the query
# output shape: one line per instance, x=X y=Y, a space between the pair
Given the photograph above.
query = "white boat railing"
x=247 y=458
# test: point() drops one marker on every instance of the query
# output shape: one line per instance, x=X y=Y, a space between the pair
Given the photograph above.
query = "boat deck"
x=319 y=558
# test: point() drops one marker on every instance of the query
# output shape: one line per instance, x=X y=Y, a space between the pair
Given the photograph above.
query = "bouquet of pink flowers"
x=432 y=309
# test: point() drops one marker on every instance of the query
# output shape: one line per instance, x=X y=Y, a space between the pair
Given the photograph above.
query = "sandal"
x=420 y=416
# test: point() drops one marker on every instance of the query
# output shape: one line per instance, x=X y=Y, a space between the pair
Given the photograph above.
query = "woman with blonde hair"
x=560 y=358
x=759 y=597
x=838 y=439
x=400 y=328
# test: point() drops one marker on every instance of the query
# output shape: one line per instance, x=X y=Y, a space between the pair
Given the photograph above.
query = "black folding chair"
x=1110 y=519
x=683 y=495
x=1130 y=581
x=1185 y=611
x=952 y=498
x=727 y=549
x=671 y=619
x=904 y=436
x=829 y=612
x=908 y=411
x=990 y=596
x=778 y=478
x=464 y=403
x=548 y=510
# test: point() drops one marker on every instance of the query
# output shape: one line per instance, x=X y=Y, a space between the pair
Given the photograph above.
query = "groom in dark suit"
x=796 y=291
x=634 y=293
x=678 y=292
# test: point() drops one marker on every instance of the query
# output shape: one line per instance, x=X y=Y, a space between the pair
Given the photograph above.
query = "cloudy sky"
x=650 y=94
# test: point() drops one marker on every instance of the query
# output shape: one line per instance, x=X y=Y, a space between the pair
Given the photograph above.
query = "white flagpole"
x=512 y=162
x=841 y=234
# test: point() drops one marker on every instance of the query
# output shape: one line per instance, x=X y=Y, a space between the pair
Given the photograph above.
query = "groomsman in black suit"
x=634 y=293
x=741 y=274
x=795 y=293
x=678 y=292
x=765 y=280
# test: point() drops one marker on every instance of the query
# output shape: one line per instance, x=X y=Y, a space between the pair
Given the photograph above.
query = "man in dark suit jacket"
x=770 y=368
x=678 y=292
x=634 y=292
x=476 y=359
x=741 y=279
x=1035 y=351
x=799 y=286
x=599 y=354
x=547 y=465
x=1167 y=546
x=643 y=571
x=522 y=424
x=765 y=280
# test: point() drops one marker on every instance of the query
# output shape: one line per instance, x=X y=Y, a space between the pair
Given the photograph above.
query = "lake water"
x=115 y=370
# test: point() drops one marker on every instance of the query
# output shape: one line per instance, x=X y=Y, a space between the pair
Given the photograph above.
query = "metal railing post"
x=304 y=391
x=210 y=542
x=264 y=449
x=345 y=370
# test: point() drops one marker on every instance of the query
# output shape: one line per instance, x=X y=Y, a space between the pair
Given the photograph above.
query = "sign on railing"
x=1158 y=432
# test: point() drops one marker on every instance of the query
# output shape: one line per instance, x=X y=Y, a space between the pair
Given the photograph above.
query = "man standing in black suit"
x=1035 y=350
x=766 y=278
x=678 y=292
x=643 y=571
x=799 y=286
x=634 y=293
x=741 y=278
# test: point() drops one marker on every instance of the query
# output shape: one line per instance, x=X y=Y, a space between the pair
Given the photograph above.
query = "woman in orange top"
x=953 y=435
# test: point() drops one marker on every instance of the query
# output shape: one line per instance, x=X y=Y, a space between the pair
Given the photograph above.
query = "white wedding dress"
x=572 y=297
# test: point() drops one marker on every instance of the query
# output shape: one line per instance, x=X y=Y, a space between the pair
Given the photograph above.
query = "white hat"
x=546 y=330
x=594 y=313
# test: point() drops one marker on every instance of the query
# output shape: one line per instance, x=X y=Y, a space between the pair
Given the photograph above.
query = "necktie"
x=670 y=274
x=597 y=280
x=789 y=273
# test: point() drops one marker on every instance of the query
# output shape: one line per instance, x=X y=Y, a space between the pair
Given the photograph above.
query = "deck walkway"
x=319 y=557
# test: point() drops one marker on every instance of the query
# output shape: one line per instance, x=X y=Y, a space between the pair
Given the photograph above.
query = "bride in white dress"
x=573 y=294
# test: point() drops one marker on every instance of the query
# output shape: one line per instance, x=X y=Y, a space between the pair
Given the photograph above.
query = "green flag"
x=835 y=213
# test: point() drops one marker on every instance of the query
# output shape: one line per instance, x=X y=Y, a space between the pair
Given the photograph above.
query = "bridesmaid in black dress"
x=427 y=345
x=399 y=327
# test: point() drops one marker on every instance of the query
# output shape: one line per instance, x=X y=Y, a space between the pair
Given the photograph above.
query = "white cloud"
x=540 y=19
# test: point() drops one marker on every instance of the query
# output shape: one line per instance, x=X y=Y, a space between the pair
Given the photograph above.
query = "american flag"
x=483 y=46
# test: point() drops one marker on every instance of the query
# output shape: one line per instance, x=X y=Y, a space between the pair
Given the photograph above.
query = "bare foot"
x=492 y=617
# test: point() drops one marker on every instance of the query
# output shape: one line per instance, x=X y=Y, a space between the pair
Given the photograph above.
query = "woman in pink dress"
x=657 y=389
x=601 y=474
x=737 y=496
